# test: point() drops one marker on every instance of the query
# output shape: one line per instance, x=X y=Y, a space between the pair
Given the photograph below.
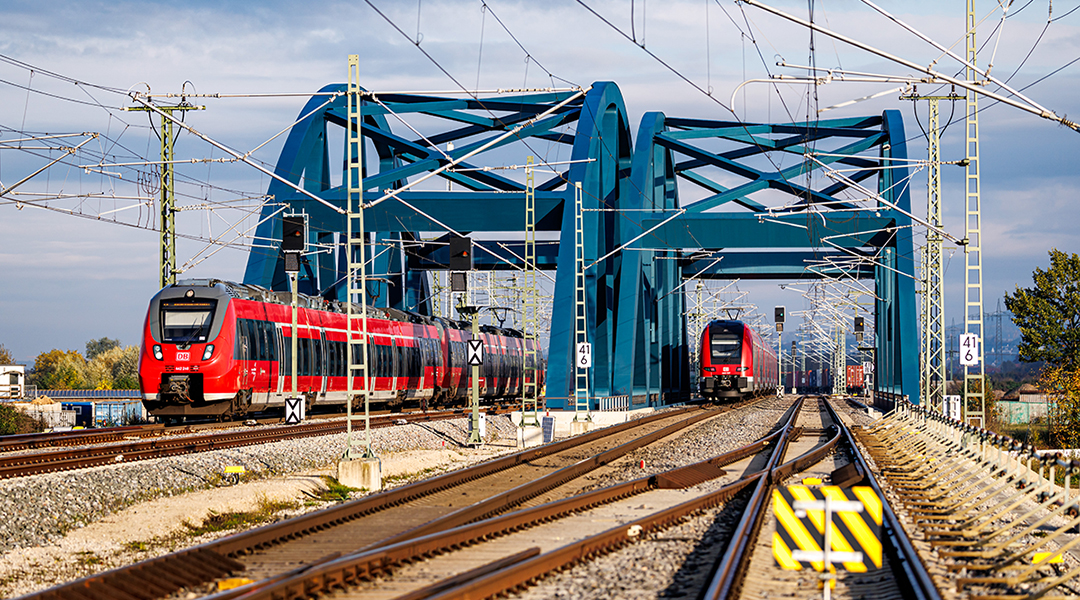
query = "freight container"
x=84 y=412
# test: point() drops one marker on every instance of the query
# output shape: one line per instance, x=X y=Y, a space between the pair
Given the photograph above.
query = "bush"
x=13 y=420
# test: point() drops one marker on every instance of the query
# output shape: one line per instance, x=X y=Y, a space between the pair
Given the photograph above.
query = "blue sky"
x=69 y=279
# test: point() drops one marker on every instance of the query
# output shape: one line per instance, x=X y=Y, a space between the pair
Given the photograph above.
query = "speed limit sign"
x=969 y=349
x=584 y=355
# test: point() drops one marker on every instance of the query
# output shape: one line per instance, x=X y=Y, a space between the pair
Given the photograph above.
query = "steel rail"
x=103 y=585
x=489 y=580
x=911 y=573
x=34 y=441
x=916 y=581
x=731 y=565
x=35 y=463
x=519 y=575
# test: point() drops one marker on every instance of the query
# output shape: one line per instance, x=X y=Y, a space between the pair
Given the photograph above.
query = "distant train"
x=736 y=362
x=222 y=349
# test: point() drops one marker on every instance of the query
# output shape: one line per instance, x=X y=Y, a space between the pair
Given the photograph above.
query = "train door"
x=243 y=353
x=323 y=357
x=261 y=355
x=282 y=365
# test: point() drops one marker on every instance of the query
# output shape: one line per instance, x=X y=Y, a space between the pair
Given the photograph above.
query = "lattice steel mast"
x=167 y=202
x=357 y=270
x=581 y=321
x=530 y=391
x=974 y=382
x=932 y=363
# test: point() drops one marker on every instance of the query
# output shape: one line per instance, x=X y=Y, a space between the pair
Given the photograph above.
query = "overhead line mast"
x=356 y=246
x=933 y=267
x=167 y=203
x=974 y=381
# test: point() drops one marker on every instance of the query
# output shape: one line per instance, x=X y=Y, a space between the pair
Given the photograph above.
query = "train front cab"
x=727 y=360
x=187 y=341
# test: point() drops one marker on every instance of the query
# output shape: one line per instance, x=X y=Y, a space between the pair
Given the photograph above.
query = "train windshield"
x=726 y=344
x=184 y=322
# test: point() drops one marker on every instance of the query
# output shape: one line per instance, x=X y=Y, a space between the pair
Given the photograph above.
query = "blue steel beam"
x=436 y=256
x=486 y=211
x=490 y=202
x=773 y=265
x=742 y=230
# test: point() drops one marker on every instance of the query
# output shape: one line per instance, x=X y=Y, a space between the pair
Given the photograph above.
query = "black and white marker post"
x=292 y=245
x=461 y=261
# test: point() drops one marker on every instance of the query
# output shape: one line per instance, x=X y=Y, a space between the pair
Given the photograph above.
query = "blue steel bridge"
x=646 y=173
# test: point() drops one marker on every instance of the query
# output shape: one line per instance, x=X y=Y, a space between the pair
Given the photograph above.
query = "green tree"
x=125 y=371
x=5 y=356
x=1048 y=314
x=100 y=346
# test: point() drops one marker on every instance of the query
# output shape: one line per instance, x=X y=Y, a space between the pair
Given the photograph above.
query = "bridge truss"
x=689 y=198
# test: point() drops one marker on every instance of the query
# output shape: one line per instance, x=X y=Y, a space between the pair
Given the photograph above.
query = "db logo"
x=183 y=356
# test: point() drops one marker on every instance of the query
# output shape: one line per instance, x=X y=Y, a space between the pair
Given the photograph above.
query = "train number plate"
x=183 y=356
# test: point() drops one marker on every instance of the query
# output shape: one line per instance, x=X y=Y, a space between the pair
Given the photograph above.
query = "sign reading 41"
x=969 y=349
x=584 y=355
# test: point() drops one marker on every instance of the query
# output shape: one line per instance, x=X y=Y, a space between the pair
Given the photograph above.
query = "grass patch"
x=264 y=511
x=88 y=558
x=335 y=491
x=136 y=546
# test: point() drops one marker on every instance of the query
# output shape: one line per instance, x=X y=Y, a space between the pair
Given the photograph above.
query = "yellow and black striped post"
x=854 y=537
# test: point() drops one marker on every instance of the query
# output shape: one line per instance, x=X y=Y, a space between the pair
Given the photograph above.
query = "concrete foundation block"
x=363 y=473
x=528 y=437
x=580 y=427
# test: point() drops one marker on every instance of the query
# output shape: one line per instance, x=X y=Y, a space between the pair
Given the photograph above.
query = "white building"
x=12 y=382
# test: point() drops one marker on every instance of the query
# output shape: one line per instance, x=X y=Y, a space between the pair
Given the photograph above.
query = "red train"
x=736 y=362
x=216 y=348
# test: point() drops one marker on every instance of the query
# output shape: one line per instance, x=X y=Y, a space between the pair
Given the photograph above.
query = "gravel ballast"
x=42 y=508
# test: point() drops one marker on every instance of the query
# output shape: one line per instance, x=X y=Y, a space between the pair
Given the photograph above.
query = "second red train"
x=736 y=362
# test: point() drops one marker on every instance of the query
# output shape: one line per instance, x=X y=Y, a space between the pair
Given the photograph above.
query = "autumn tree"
x=59 y=370
x=1048 y=314
x=5 y=356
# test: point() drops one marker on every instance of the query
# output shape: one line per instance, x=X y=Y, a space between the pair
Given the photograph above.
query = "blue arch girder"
x=634 y=313
x=790 y=241
x=495 y=203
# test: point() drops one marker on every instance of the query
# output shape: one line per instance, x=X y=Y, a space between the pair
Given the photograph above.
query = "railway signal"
x=461 y=254
x=292 y=233
x=778 y=316
x=293 y=241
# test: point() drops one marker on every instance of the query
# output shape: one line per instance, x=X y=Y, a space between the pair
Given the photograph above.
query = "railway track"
x=506 y=553
x=993 y=517
x=396 y=516
x=107 y=447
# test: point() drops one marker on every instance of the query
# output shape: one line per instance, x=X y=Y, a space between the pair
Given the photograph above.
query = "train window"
x=331 y=359
x=319 y=357
x=301 y=356
x=305 y=356
x=264 y=340
x=725 y=345
x=186 y=321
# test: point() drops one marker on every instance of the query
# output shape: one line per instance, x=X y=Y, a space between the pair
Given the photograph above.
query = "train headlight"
x=157 y=352
x=208 y=352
